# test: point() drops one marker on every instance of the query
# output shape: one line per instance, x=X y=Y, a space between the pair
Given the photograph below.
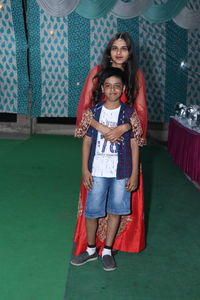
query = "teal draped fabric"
x=188 y=18
x=21 y=58
x=13 y=59
x=130 y=9
x=164 y=12
x=92 y=9
x=34 y=57
x=79 y=58
x=63 y=50
x=58 y=8
x=176 y=77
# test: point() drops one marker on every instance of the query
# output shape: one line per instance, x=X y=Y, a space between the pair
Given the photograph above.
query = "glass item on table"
x=191 y=115
x=198 y=119
x=180 y=110
x=196 y=125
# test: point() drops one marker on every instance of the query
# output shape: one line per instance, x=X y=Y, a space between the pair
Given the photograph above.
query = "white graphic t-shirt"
x=106 y=154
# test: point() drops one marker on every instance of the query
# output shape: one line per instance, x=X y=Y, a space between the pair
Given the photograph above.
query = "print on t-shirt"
x=106 y=154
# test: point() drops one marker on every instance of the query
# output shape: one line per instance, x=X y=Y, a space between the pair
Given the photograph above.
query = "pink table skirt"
x=184 y=147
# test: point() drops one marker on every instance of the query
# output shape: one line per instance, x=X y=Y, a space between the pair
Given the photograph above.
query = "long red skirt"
x=131 y=233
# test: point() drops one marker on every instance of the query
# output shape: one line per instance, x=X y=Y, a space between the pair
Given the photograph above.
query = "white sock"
x=106 y=252
x=90 y=250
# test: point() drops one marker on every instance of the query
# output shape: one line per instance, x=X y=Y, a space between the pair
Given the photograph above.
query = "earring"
x=111 y=61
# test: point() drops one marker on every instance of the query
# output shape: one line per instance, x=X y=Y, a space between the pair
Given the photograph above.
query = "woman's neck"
x=120 y=66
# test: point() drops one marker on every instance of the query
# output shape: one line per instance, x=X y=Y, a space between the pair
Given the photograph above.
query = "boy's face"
x=113 y=88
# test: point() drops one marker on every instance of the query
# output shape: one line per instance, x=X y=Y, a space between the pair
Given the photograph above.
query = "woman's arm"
x=115 y=134
x=140 y=104
x=110 y=134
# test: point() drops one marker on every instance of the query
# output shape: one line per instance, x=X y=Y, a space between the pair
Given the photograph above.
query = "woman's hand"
x=104 y=129
x=110 y=134
x=115 y=134
x=87 y=179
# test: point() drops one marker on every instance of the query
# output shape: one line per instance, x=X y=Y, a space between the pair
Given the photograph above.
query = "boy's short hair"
x=111 y=71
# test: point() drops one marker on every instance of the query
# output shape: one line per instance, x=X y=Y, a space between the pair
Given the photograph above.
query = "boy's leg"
x=95 y=208
x=90 y=254
x=91 y=229
x=118 y=204
x=112 y=227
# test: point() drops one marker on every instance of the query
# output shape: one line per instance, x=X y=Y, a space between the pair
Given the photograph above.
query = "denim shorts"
x=108 y=195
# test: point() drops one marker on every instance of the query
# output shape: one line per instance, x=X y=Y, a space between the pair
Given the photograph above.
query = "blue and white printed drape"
x=13 y=59
x=63 y=50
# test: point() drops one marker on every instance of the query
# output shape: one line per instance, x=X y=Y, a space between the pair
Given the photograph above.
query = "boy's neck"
x=112 y=105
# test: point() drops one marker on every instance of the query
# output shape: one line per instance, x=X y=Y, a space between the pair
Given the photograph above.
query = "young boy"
x=109 y=170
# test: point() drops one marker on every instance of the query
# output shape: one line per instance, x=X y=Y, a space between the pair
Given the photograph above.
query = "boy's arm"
x=114 y=134
x=86 y=175
x=132 y=182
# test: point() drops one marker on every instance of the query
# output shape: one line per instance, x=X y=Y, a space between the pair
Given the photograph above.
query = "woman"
x=119 y=53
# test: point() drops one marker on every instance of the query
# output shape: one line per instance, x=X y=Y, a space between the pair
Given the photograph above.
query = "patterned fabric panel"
x=63 y=50
x=101 y=31
x=79 y=58
x=54 y=65
x=176 y=75
x=152 y=60
x=13 y=59
x=193 y=65
x=193 y=61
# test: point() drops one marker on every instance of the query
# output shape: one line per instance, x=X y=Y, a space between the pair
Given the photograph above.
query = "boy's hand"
x=87 y=179
x=132 y=183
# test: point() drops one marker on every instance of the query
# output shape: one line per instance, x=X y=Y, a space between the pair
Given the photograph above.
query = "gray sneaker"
x=83 y=258
x=108 y=263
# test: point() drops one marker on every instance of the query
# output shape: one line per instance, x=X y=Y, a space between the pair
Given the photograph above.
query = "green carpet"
x=39 y=184
x=169 y=267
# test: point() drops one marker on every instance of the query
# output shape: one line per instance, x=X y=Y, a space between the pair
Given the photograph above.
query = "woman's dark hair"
x=130 y=66
x=107 y=73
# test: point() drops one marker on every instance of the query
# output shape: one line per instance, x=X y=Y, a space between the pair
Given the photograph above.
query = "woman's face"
x=119 y=53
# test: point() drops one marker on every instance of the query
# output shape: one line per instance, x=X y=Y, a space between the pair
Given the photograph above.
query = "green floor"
x=39 y=183
x=169 y=267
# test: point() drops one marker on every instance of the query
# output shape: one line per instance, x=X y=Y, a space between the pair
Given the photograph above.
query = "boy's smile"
x=113 y=89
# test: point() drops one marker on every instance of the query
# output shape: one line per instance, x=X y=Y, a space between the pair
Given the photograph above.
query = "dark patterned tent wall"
x=63 y=49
